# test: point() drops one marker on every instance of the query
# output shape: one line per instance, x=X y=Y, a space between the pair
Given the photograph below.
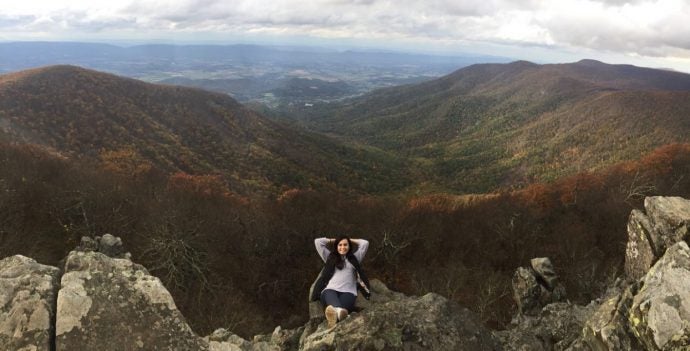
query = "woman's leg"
x=330 y=298
x=347 y=301
x=338 y=299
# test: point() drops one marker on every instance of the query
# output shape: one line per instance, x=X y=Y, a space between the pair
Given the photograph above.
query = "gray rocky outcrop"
x=27 y=303
x=640 y=252
x=536 y=286
x=557 y=326
x=607 y=328
x=110 y=303
x=429 y=322
x=107 y=302
x=666 y=222
x=107 y=244
x=660 y=312
x=649 y=310
x=543 y=269
x=671 y=219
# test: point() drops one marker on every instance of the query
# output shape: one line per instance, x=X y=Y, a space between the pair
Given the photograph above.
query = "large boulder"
x=526 y=291
x=113 y=304
x=671 y=219
x=430 y=322
x=660 y=312
x=543 y=269
x=27 y=299
x=607 y=328
x=536 y=286
x=556 y=327
x=640 y=251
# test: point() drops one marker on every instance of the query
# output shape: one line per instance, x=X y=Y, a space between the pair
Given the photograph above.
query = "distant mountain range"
x=246 y=72
x=500 y=125
x=83 y=113
x=139 y=59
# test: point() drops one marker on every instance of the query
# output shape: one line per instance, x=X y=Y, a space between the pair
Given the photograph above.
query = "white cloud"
x=634 y=27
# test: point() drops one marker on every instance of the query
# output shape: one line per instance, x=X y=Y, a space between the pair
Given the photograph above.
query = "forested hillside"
x=492 y=126
x=246 y=263
x=87 y=114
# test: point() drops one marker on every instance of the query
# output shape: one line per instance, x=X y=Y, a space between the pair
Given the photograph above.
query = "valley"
x=455 y=180
x=249 y=73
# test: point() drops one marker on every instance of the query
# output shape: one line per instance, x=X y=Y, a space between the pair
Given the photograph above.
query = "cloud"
x=648 y=29
x=620 y=2
x=10 y=22
x=633 y=27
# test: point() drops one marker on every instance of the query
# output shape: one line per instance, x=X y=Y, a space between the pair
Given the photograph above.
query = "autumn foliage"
x=246 y=263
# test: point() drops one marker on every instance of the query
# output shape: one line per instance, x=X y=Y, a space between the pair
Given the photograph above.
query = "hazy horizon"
x=644 y=33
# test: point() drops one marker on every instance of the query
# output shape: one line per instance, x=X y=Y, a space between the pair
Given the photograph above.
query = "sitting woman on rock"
x=340 y=277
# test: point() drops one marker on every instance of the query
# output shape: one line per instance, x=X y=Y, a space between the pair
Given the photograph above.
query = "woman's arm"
x=362 y=246
x=322 y=247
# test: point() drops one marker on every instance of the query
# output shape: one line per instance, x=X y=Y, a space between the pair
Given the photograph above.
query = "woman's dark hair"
x=335 y=257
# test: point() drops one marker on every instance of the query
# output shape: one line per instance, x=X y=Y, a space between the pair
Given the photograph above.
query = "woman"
x=337 y=283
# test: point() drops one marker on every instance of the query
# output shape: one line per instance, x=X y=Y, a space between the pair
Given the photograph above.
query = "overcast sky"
x=649 y=33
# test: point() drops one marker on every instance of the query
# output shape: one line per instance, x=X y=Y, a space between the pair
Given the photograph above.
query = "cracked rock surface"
x=27 y=300
x=110 y=303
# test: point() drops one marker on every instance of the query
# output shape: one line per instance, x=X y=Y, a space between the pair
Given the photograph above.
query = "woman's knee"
x=330 y=297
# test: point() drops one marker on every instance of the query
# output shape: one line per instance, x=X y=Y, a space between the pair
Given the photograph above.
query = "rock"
x=607 y=329
x=286 y=339
x=316 y=310
x=379 y=294
x=87 y=244
x=110 y=246
x=640 y=252
x=223 y=340
x=430 y=322
x=660 y=312
x=536 y=286
x=544 y=271
x=113 y=304
x=671 y=219
x=27 y=298
x=557 y=326
x=526 y=291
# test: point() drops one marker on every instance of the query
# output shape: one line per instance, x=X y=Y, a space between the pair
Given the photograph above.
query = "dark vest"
x=327 y=273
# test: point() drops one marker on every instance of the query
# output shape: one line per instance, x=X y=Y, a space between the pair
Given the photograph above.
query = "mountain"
x=492 y=125
x=86 y=114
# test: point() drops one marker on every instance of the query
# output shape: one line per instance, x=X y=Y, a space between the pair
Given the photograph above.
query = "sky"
x=653 y=33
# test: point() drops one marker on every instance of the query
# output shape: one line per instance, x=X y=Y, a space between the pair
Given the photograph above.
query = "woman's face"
x=343 y=247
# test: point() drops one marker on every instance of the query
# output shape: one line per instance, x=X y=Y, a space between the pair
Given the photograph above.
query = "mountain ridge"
x=495 y=119
x=84 y=113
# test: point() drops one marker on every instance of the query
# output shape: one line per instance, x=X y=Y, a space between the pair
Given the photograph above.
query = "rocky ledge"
x=101 y=300
x=647 y=309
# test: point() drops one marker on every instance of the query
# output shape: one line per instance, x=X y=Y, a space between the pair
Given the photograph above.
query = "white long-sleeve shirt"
x=343 y=280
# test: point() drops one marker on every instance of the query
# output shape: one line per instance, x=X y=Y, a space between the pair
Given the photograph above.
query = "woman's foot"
x=342 y=314
x=331 y=316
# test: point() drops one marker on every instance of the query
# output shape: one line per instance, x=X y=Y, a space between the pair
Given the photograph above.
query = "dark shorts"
x=338 y=299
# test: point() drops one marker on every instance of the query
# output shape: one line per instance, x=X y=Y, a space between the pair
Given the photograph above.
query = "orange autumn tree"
x=127 y=162
x=204 y=185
